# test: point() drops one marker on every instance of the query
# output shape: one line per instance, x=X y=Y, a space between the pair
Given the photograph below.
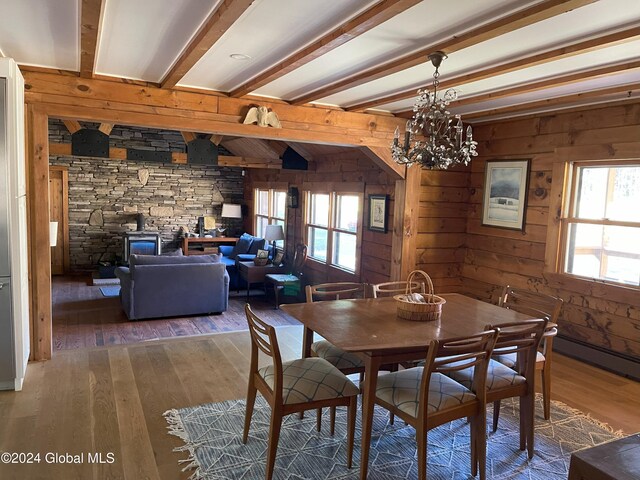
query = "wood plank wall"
x=444 y=198
x=495 y=257
x=352 y=167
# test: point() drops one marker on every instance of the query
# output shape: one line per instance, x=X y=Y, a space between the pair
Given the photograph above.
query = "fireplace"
x=141 y=243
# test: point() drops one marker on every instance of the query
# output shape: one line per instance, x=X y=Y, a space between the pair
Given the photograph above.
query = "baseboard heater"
x=613 y=362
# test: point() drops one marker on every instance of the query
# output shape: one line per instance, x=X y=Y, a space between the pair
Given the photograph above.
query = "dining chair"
x=346 y=362
x=293 y=387
x=291 y=280
x=426 y=397
x=517 y=299
x=520 y=339
x=388 y=289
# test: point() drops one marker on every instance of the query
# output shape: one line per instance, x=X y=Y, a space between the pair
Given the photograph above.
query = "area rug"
x=213 y=437
x=111 y=291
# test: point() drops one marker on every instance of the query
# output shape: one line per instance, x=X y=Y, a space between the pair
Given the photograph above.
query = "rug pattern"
x=212 y=435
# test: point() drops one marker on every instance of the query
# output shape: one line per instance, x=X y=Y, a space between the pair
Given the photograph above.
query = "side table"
x=616 y=460
x=251 y=273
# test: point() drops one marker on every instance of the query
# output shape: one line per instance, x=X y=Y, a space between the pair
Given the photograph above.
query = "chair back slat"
x=389 y=289
x=519 y=300
x=523 y=339
x=299 y=259
x=263 y=338
x=335 y=291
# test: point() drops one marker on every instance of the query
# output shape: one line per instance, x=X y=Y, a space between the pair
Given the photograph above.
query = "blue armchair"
x=244 y=250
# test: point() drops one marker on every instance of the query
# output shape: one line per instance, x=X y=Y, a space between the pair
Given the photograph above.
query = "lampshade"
x=53 y=233
x=273 y=233
x=231 y=210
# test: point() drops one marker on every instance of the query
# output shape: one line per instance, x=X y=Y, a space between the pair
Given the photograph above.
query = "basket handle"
x=426 y=277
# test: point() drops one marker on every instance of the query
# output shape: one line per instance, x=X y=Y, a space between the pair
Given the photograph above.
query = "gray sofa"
x=159 y=286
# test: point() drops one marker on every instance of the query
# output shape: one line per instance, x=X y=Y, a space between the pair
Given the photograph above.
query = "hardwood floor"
x=111 y=399
x=83 y=317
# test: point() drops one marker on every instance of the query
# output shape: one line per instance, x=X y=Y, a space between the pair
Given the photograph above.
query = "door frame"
x=64 y=223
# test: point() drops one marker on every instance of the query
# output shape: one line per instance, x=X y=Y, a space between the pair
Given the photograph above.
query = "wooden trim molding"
x=561 y=190
x=39 y=249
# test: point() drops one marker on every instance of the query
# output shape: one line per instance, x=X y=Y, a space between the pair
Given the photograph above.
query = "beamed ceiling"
x=506 y=57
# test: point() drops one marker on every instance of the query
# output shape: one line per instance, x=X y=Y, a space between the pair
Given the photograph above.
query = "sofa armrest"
x=225 y=250
x=245 y=257
x=126 y=290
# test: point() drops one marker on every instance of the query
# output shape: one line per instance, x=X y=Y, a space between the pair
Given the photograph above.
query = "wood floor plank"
x=138 y=461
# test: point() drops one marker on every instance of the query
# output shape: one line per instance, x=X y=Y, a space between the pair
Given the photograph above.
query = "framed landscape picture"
x=505 y=193
x=378 y=213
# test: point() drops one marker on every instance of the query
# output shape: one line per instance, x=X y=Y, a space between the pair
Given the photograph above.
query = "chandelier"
x=442 y=144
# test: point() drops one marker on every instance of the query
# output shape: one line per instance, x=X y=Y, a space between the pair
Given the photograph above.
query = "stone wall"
x=105 y=195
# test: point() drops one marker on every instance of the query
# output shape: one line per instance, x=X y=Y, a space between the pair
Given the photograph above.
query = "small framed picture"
x=277 y=259
x=262 y=254
x=378 y=213
x=505 y=193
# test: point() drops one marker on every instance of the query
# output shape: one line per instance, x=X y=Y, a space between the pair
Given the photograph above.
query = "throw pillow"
x=216 y=258
x=173 y=253
x=242 y=245
x=257 y=244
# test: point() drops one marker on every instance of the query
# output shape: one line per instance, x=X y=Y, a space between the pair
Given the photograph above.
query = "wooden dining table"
x=369 y=327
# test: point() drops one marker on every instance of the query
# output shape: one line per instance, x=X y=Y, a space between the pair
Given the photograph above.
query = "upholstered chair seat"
x=402 y=390
x=509 y=359
x=308 y=380
x=498 y=376
x=336 y=356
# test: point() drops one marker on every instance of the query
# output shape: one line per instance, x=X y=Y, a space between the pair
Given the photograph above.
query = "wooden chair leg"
x=546 y=389
x=530 y=419
x=274 y=436
x=496 y=414
x=523 y=424
x=481 y=444
x=332 y=427
x=421 y=441
x=473 y=433
x=248 y=413
x=351 y=428
x=319 y=419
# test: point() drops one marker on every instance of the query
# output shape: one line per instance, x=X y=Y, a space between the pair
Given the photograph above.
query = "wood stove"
x=141 y=243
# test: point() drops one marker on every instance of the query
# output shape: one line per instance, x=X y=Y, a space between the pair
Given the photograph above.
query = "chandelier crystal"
x=442 y=144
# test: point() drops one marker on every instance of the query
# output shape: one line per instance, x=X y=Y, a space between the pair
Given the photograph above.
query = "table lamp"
x=273 y=233
x=230 y=210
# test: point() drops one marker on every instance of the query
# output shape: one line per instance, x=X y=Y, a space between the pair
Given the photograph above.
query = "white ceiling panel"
x=44 y=33
x=141 y=39
x=586 y=22
x=268 y=32
x=404 y=33
x=630 y=77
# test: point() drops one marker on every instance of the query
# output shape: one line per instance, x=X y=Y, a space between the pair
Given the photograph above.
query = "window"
x=602 y=229
x=332 y=228
x=270 y=208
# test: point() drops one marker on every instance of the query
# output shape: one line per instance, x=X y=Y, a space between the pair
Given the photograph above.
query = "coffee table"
x=252 y=273
x=617 y=460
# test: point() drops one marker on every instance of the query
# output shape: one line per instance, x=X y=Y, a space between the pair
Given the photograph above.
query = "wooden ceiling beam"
x=220 y=20
x=106 y=128
x=90 y=22
x=188 y=136
x=382 y=158
x=371 y=18
x=68 y=97
x=552 y=102
x=578 y=48
x=72 y=125
x=522 y=18
x=216 y=139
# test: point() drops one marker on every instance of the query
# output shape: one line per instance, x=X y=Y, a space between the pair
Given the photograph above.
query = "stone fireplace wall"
x=105 y=195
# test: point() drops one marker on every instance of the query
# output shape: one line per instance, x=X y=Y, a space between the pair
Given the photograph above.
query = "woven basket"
x=260 y=262
x=419 y=312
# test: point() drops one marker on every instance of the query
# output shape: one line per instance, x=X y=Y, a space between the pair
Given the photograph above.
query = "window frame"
x=562 y=208
x=270 y=208
x=332 y=229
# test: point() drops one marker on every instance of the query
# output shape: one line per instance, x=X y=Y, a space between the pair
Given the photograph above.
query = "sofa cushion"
x=242 y=245
x=216 y=258
x=173 y=253
x=257 y=244
x=135 y=260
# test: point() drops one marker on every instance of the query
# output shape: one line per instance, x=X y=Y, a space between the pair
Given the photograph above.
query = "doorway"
x=59 y=212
